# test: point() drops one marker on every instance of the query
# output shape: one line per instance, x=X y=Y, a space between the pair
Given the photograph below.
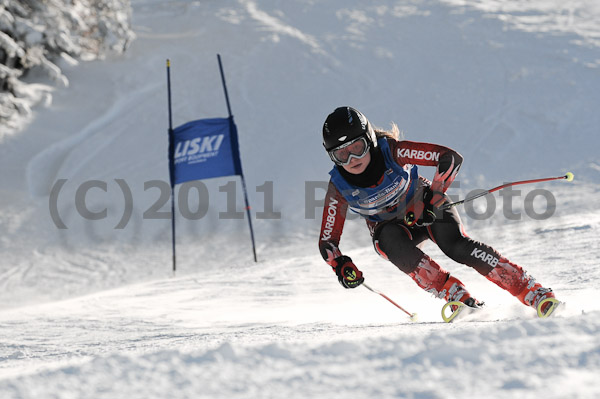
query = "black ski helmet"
x=345 y=124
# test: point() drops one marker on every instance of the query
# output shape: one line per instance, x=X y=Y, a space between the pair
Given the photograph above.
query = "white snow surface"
x=94 y=311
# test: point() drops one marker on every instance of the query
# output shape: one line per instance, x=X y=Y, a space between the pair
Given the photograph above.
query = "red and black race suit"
x=404 y=154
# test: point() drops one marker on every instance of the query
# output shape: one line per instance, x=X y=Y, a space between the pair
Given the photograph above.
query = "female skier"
x=376 y=176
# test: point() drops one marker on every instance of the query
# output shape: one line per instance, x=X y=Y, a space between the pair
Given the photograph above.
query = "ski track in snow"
x=92 y=311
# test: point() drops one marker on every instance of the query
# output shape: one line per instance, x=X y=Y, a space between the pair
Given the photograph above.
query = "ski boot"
x=434 y=279
x=540 y=298
x=515 y=280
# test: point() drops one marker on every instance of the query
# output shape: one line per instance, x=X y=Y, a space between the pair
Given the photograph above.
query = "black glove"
x=423 y=213
x=428 y=216
x=348 y=274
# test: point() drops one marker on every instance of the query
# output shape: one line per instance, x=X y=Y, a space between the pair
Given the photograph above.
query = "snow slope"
x=92 y=311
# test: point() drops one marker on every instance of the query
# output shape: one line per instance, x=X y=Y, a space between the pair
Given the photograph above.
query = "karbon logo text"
x=331 y=213
x=419 y=154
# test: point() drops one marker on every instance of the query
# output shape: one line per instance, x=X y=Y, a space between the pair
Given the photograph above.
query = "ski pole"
x=413 y=316
x=568 y=177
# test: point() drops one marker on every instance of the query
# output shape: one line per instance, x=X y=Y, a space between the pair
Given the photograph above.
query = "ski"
x=461 y=308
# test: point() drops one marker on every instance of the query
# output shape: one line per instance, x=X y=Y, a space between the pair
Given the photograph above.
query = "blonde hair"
x=393 y=133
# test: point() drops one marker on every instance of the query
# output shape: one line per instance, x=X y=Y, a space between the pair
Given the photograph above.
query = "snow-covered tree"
x=37 y=34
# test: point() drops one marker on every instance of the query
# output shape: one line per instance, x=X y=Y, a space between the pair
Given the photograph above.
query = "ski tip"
x=458 y=307
x=554 y=303
x=569 y=176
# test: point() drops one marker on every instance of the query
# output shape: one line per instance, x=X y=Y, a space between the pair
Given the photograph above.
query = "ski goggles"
x=356 y=148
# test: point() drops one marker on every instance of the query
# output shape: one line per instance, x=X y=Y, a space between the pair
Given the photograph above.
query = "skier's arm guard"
x=334 y=217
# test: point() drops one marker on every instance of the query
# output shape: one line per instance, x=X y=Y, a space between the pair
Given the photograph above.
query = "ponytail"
x=393 y=133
